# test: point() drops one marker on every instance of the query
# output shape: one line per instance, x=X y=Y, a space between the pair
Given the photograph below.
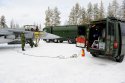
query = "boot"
x=23 y=49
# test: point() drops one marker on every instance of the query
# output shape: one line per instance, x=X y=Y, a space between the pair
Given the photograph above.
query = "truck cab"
x=107 y=37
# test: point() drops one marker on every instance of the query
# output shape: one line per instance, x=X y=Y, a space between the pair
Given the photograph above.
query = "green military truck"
x=67 y=32
x=107 y=37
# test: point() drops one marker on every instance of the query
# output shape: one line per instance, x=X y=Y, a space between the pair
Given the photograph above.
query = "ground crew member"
x=31 y=43
x=37 y=36
x=23 y=40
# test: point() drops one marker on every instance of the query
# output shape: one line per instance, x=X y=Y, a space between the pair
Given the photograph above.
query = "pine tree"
x=56 y=17
x=72 y=17
x=101 y=11
x=48 y=18
x=96 y=12
x=82 y=19
x=110 y=11
x=89 y=12
x=75 y=15
x=115 y=7
x=52 y=17
x=123 y=9
x=2 y=21
x=120 y=13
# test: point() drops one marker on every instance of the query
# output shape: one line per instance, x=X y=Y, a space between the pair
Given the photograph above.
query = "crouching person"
x=31 y=43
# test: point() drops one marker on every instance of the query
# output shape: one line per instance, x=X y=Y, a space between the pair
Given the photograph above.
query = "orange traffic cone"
x=83 y=53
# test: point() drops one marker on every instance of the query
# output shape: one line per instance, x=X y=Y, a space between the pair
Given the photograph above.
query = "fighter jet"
x=8 y=35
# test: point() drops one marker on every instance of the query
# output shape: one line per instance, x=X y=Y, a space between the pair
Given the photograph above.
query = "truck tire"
x=60 y=41
x=44 y=39
x=47 y=40
x=119 y=58
x=55 y=40
x=70 y=41
x=94 y=55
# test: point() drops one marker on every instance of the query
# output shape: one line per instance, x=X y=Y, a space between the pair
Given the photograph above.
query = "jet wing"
x=3 y=40
x=45 y=35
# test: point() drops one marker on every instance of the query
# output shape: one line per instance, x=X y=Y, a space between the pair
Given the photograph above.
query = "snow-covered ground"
x=56 y=63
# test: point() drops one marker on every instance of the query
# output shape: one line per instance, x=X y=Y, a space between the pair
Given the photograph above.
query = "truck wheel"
x=94 y=55
x=119 y=58
x=61 y=41
x=55 y=41
x=70 y=41
x=47 y=40
x=44 y=39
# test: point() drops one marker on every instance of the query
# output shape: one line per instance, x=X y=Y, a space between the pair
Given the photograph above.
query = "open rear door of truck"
x=110 y=36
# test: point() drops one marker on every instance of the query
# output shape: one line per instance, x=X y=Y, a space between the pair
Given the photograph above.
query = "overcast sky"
x=33 y=11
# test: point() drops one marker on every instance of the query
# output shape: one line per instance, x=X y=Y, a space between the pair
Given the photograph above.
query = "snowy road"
x=53 y=63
